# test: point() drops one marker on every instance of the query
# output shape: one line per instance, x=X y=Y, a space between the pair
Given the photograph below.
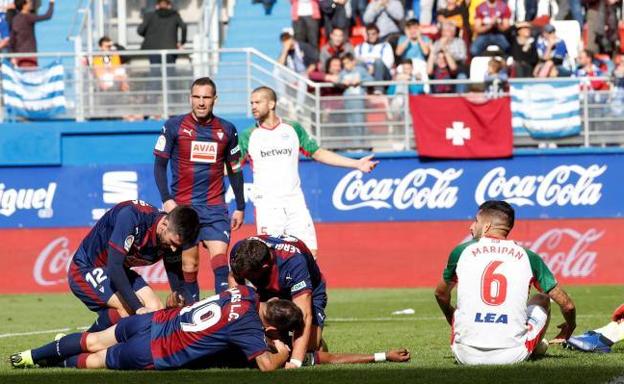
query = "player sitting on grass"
x=284 y=267
x=493 y=323
x=601 y=339
x=174 y=338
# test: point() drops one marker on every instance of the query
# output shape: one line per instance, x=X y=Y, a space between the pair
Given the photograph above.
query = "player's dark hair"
x=500 y=210
x=268 y=91
x=205 y=81
x=184 y=221
x=104 y=39
x=284 y=315
x=247 y=256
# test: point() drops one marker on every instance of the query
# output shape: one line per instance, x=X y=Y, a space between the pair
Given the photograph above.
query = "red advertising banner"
x=354 y=255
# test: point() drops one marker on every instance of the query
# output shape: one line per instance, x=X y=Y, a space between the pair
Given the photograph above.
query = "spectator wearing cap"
x=523 y=51
x=376 y=56
x=336 y=46
x=336 y=14
x=387 y=15
x=413 y=45
x=456 y=47
x=491 y=23
x=306 y=18
x=22 y=37
x=552 y=52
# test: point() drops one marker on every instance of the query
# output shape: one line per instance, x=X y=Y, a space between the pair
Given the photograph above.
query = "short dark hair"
x=104 y=39
x=184 y=221
x=411 y=22
x=348 y=56
x=205 y=81
x=338 y=28
x=267 y=90
x=406 y=61
x=499 y=209
x=285 y=36
x=328 y=62
x=247 y=256
x=19 y=4
x=371 y=27
x=284 y=315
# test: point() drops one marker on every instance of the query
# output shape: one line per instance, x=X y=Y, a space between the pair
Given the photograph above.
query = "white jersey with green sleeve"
x=493 y=279
x=273 y=153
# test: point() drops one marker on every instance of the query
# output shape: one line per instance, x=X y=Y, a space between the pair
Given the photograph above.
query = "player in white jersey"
x=273 y=146
x=492 y=322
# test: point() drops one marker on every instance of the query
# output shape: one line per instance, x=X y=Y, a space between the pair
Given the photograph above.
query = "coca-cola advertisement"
x=397 y=254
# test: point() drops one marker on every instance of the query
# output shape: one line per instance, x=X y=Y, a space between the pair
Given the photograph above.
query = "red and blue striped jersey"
x=198 y=154
x=295 y=270
x=182 y=335
x=130 y=228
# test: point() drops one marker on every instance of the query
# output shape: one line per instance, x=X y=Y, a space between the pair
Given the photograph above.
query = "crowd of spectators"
x=441 y=38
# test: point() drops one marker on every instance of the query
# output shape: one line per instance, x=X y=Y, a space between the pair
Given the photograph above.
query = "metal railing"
x=152 y=85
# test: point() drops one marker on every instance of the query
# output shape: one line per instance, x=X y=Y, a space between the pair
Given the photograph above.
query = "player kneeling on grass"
x=284 y=267
x=174 y=338
x=493 y=323
x=601 y=339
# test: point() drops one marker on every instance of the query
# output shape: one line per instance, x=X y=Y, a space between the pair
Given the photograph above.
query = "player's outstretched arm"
x=271 y=361
x=302 y=339
x=568 y=310
x=443 y=297
x=400 y=355
x=365 y=164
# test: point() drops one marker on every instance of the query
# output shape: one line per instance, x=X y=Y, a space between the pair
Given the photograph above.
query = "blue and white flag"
x=35 y=93
x=547 y=109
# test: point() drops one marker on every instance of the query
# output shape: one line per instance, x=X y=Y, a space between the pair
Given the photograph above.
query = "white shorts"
x=536 y=327
x=290 y=216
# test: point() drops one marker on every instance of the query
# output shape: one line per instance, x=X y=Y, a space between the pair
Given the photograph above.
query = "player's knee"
x=542 y=300
x=93 y=343
x=97 y=360
x=154 y=305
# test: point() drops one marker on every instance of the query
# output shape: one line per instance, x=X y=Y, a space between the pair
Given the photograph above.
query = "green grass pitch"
x=358 y=321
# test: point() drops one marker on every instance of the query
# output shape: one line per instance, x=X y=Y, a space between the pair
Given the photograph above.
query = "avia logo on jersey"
x=118 y=186
x=565 y=184
x=490 y=318
x=53 y=262
x=13 y=199
x=421 y=188
x=203 y=152
x=276 y=152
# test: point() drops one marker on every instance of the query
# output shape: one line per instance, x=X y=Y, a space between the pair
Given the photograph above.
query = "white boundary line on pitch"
x=329 y=320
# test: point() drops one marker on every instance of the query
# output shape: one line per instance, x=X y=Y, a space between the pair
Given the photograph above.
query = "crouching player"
x=602 y=339
x=131 y=234
x=492 y=322
x=175 y=338
x=284 y=267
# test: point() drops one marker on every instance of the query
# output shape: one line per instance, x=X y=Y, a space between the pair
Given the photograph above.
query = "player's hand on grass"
x=237 y=219
x=564 y=334
x=169 y=205
x=174 y=300
x=400 y=355
x=366 y=164
x=618 y=314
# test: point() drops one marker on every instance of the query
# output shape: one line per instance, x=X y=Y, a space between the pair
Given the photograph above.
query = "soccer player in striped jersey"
x=493 y=321
x=200 y=147
x=177 y=337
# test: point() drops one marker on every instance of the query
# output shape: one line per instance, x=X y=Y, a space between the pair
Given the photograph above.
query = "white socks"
x=613 y=331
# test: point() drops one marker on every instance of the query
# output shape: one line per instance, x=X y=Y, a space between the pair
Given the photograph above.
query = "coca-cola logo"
x=420 y=188
x=53 y=262
x=563 y=185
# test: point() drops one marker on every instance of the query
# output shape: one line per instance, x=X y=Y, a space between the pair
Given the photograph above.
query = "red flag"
x=454 y=127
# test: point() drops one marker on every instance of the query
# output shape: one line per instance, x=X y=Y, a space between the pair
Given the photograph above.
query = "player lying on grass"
x=492 y=322
x=131 y=234
x=601 y=339
x=175 y=338
x=284 y=267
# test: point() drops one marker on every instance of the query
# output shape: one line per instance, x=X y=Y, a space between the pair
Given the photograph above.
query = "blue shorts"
x=93 y=286
x=319 y=302
x=134 y=335
x=214 y=223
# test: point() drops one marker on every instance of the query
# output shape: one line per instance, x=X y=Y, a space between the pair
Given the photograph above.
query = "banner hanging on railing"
x=34 y=93
x=458 y=128
x=547 y=110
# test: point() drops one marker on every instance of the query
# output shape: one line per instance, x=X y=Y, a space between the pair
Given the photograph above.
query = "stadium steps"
x=249 y=27
x=52 y=34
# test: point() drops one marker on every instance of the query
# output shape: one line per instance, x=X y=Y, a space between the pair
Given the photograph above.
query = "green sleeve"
x=545 y=281
x=243 y=141
x=449 y=272
x=307 y=145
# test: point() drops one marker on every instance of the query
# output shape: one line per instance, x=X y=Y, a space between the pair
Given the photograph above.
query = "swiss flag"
x=456 y=128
